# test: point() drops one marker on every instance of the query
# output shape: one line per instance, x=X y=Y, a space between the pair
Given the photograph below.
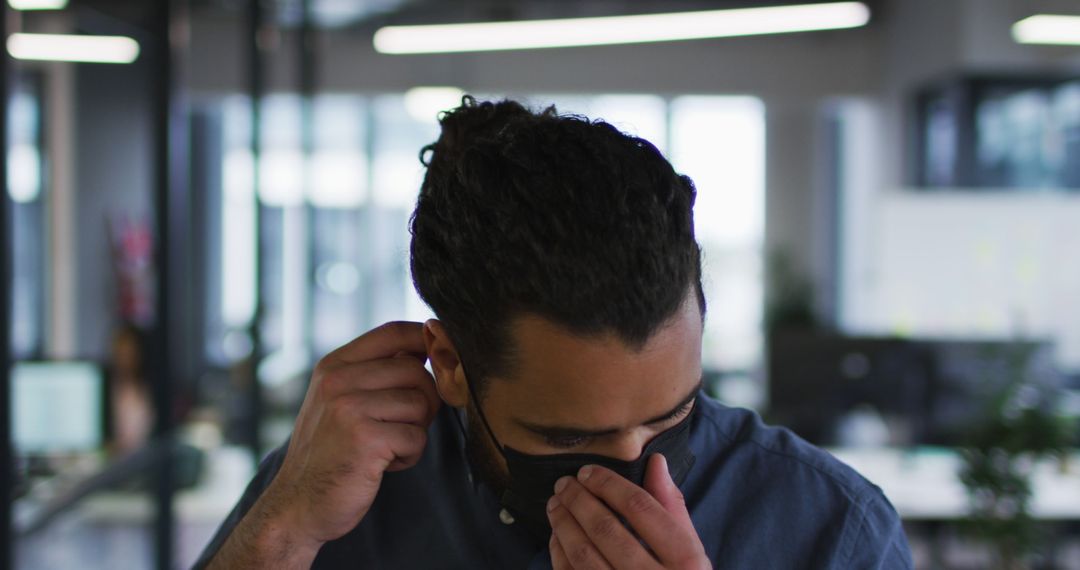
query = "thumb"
x=659 y=484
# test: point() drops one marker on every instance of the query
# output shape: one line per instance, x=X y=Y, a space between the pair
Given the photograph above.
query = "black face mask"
x=533 y=477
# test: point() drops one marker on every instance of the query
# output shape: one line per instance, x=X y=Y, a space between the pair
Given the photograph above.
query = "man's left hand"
x=587 y=533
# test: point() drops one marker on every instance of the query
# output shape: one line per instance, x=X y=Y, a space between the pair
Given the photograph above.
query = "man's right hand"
x=366 y=412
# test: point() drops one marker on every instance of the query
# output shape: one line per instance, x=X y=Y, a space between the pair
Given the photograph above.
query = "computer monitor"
x=57 y=407
x=817 y=379
x=929 y=391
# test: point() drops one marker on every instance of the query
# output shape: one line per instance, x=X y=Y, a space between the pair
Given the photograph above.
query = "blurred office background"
x=205 y=200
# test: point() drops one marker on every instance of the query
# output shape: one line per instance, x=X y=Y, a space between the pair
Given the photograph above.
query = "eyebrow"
x=571 y=431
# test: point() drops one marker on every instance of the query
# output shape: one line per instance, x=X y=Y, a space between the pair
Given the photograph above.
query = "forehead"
x=560 y=377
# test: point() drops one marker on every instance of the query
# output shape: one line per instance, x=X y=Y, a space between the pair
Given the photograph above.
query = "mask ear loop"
x=460 y=426
x=476 y=403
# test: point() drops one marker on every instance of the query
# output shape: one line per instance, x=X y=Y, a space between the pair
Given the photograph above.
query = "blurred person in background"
x=131 y=412
x=563 y=424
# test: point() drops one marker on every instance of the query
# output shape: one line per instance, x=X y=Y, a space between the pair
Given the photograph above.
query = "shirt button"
x=506 y=517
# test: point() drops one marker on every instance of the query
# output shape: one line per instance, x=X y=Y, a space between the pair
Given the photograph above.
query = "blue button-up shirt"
x=759 y=497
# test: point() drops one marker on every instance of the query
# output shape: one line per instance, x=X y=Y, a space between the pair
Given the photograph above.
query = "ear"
x=449 y=377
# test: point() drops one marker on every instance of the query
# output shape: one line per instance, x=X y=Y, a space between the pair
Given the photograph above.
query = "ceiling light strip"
x=1048 y=29
x=38 y=4
x=77 y=48
x=539 y=34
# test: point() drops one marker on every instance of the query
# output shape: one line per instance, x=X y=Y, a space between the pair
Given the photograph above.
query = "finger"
x=604 y=530
x=659 y=484
x=384 y=342
x=383 y=374
x=401 y=405
x=668 y=539
x=580 y=551
x=558 y=556
x=333 y=380
x=379 y=374
x=400 y=446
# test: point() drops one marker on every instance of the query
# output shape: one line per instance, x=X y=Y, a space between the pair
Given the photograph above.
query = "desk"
x=226 y=473
x=111 y=529
x=923 y=483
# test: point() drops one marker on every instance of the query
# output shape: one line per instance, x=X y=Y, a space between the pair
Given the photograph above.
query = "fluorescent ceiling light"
x=535 y=34
x=425 y=103
x=38 y=4
x=1048 y=29
x=59 y=47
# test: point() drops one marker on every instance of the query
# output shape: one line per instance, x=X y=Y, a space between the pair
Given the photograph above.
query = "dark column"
x=256 y=89
x=171 y=218
x=307 y=86
x=7 y=475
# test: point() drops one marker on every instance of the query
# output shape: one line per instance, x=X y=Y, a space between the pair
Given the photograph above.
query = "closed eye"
x=570 y=441
x=566 y=441
x=676 y=413
x=570 y=437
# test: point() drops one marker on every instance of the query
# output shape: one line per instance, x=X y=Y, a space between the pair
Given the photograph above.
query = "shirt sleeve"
x=267 y=470
x=880 y=542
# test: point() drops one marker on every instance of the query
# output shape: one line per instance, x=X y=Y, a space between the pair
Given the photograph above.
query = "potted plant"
x=1018 y=430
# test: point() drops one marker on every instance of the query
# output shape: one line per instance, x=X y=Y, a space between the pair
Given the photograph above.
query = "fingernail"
x=663 y=466
x=561 y=484
x=584 y=473
x=552 y=503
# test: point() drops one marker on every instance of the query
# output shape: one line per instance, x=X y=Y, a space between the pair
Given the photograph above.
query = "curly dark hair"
x=537 y=213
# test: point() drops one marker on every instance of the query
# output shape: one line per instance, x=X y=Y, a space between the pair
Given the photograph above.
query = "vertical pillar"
x=256 y=89
x=7 y=474
x=171 y=214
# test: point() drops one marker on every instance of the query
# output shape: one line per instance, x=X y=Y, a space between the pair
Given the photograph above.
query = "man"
x=559 y=257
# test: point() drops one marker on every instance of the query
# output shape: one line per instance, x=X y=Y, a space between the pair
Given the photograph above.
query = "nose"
x=627 y=446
